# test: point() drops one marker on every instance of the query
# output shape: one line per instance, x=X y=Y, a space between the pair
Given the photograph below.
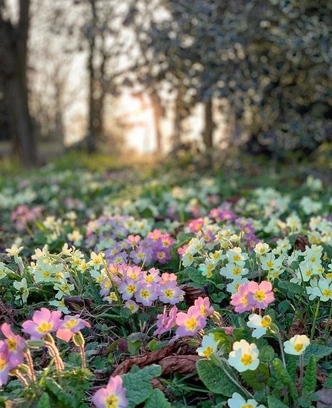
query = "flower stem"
x=314 y=321
x=54 y=352
x=231 y=378
x=328 y=323
x=31 y=372
x=281 y=349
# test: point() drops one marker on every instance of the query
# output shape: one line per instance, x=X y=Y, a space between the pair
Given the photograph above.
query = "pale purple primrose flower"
x=113 y=395
x=43 y=322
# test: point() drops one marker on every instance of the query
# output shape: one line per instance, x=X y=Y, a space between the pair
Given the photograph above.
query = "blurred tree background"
x=257 y=73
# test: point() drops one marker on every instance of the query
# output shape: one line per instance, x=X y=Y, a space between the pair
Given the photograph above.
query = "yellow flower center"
x=111 y=401
x=208 y=351
x=71 y=323
x=191 y=324
x=260 y=295
x=298 y=347
x=161 y=255
x=45 y=327
x=246 y=359
x=145 y=294
x=149 y=278
x=236 y=258
x=169 y=293
x=327 y=292
x=202 y=310
x=244 y=301
x=247 y=406
x=3 y=364
x=270 y=264
x=12 y=344
x=131 y=288
x=46 y=274
x=266 y=321
x=236 y=271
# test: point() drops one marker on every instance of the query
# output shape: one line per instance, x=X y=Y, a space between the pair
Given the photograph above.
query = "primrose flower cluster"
x=14 y=349
x=115 y=236
x=187 y=324
x=134 y=283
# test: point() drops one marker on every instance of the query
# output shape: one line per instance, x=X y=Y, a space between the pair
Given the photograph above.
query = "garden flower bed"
x=119 y=291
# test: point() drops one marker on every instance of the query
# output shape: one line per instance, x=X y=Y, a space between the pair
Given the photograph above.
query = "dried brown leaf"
x=296 y=328
x=191 y=294
x=179 y=364
x=301 y=243
x=144 y=359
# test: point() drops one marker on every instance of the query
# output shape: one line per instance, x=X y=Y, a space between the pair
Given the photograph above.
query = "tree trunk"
x=157 y=114
x=13 y=56
x=209 y=125
x=178 y=117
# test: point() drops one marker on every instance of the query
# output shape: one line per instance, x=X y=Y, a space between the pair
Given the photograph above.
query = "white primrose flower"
x=259 y=324
x=296 y=345
x=14 y=250
x=244 y=356
x=209 y=346
x=22 y=288
x=237 y=401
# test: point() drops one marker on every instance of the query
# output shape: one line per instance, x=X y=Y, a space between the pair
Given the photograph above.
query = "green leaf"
x=44 y=401
x=215 y=379
x=138 y=384
x=285 y=378
x=59 y=393
x=157 y=400
x=290 y=287
x=195 y=275
x=317 y=350
x=266 y=353
x=291 y=362
x=328 y=382
x=310 y=378
x=258 y=378
x=274 y=402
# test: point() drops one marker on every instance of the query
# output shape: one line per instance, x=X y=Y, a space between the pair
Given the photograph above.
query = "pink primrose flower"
x=166 y=241
x=112 y=396
x=260 y=295
x=196 y=225
x=43 y=322
x=203 y=304
x=133 y=272
x=15 y=344
x=182 y=250
x=151 y=276
x=133 y=240
x=155 y=235
x=240 y=300
x=69 y=326
x=189 y=323
x=5 y=365
x=166 y=321
x=166 y=277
